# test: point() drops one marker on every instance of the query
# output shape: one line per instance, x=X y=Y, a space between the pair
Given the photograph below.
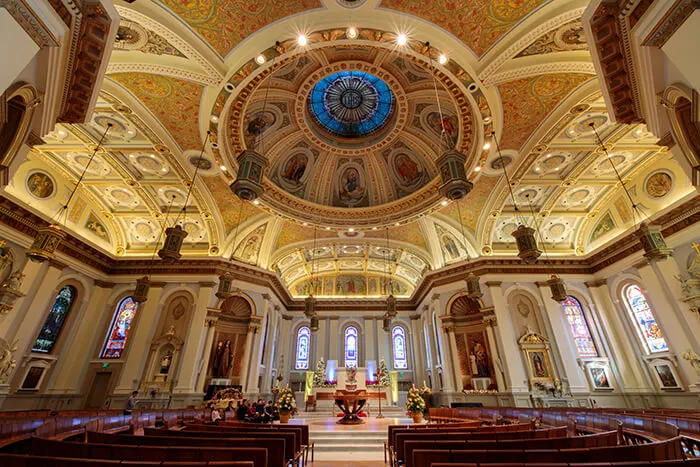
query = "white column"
x=186 y=379
x=417 y=348
x=36 y=312
x=513 y=365
x=245 y=370
x=369 y=339
x=562 y=336
x=205 y=353
x=286 y=354
x=322 y=341
x=267 y=364
x=31 y=283
x=334 y=342
x=452 y=368
x=496 y=360
x=140 y=340
x=621 y=350
x=674 y=331
x=257 y=348
x=69 y=371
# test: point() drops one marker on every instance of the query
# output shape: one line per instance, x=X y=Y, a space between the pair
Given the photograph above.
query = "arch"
x=351 y=346
x=461 y=305
x=683 y=114
x=643 y=318
x=302 y=350
x=238 y=306
x=119 y=329
x=579 y=328
x=56 y=318
x=399 y=347
x=21 y=100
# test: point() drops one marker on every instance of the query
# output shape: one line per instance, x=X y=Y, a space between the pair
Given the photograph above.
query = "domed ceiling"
x=351 y=128
x=350 y=125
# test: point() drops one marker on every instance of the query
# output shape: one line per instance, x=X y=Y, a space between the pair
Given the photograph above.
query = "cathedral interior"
x=493 y=199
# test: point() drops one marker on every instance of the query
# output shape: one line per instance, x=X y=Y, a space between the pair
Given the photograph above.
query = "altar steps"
x=360 y=445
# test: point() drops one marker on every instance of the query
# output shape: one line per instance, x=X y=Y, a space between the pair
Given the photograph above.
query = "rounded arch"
x=114 y=345
x=176 y=313
x=351 y=343
x=642 y=315
x=62 y=309
x=302 y=346
x=21 y=100
x=681 y=105
x=239 y=305
x=400 y=345
x=461 y=304
x=580 y=326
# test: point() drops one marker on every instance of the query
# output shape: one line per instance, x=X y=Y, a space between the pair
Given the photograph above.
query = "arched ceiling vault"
x=521 y=69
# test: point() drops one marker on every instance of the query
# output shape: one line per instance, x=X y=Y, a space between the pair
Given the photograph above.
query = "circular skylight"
x=351 y=104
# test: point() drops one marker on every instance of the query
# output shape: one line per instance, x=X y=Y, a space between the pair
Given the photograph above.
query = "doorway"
x=98 y=391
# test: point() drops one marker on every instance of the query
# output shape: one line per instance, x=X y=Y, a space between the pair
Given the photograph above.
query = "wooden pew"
x=23 y=460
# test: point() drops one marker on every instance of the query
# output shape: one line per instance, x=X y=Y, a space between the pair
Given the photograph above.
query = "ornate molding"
x=30 y=22
x=541 y=69
x=167 y=70
x=671 y=22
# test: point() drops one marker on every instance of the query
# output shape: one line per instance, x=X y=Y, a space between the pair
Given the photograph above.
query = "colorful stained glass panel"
x=579 y=328
x=54 y=321
x=119 y=330
x=644 y=319
x=351 y=347
x=399 y=341
x=303 y=344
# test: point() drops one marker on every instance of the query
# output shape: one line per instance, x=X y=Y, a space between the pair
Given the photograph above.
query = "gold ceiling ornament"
x=650 y=237
x=523 y=234
x=48 y=239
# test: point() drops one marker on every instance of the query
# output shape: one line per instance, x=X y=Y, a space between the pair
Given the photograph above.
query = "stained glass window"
x=119 y=329
x=350 y=346
x=644 y=319
x=54 y=321
x=398 y=338
x=579 y=328
x=303 y=345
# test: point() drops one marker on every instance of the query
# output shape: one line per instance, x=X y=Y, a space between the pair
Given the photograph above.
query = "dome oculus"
x=351 y=104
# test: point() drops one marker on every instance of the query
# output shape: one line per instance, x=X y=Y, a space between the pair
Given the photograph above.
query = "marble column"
x=257 y=349
x=513 y=363
x=35 y=314
x=82 y=340
x=562 y=335
x=205 y=353
x=674 y=330
x=621 y=350
x=186 y=379
x=322 y=341
x=454 y=369
x=140 y=338
x=496 y=361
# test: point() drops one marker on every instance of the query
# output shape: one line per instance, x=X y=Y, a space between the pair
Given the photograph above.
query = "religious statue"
x=472 y=364
x=225 y=360
x=165 y=363
x=694 y=360
x=216 y=365
x=14 y=282
x=482 y=363
x=690 y=283
x=7 y=361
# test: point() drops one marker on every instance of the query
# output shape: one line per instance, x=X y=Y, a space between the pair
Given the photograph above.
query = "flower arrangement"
x=369 y=382
x=351 y=375
x=329 y=383
x=425 y=390
x=414 y=401
x=286 y=401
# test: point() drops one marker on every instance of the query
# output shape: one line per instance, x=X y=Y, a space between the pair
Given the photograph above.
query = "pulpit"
x=350 y=403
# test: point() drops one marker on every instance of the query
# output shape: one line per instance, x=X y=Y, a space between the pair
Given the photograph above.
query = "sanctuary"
x=492 y=202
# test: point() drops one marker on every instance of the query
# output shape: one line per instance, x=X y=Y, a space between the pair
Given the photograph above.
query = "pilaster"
x=205 y=353
x=9 y=323
x=370 y=338
x=257 y=349
x=454 y=370
x=490 y=322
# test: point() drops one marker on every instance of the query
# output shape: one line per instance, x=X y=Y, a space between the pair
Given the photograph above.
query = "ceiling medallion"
x=351 y=104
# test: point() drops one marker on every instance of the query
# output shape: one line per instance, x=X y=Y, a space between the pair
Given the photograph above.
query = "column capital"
x=104 y=284
x=426 y=307
x=414 y=317
x=287 y=317
x=596 y=283
x=277 y=308
x=490 y=321
x=436 y=296
x=266 y=296
x=211 y=322
x=207 y=284
x=493 y=283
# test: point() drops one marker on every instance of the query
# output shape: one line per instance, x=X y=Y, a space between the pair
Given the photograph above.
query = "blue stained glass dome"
x=351 y=104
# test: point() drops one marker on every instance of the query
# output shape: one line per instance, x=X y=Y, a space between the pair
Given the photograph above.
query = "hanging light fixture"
x=555 y=283
x=451 y=162
x=524 y=235
x=248 y=185
x=472 y=280
x=650 y=236
x=310 y=301
x=50 y=237
x=224 y=290
x=175 y=235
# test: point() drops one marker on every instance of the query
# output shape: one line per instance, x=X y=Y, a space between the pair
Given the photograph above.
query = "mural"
x=451 y=248
x=350 y=285
x=605 y=225
x=294 y=168
x=351 y=187
x=450 y=122
x=566 y=37
x=249 y=249
x=658 y=185
x=94 y=225
x=39 y=184
x=479 y=359
x=256 y=125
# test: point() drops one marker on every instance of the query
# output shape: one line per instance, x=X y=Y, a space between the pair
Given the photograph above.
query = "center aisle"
x=349 y=443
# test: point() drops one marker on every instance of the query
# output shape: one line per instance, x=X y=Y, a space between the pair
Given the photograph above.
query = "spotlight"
x=442 y=59
x=444 y=202
x=223 y=167
x=260 y=59
x=352 y=33
x=214 y=118
x=487 y=146
x=401 y=39
x=477 y=169
x=256 y=202
x=487 y=119
x=351 y=229
x=302 y=40
x=374 y=228
x=328 y=228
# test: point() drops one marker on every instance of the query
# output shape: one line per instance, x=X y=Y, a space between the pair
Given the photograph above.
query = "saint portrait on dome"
x=295 y=168
x=352 y=188
x=407 y=169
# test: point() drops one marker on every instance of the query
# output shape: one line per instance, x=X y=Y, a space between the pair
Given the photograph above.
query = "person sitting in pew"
x=267 y=413
x=242 y=411
x=253 y=415
x=215 y=414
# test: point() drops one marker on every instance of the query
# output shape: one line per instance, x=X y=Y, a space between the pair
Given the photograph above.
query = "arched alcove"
x=20 y=101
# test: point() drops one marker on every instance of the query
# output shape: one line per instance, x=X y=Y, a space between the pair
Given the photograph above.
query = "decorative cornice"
x=207 y=284
x=30 y=22
x=671 y=22
x=493 y=283
x=166 y=70
x=54 y=263
x=596 y=283
x=541 y=69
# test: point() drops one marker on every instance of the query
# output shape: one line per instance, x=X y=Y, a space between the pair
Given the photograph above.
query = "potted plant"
x=415 y=405
x=287 y=404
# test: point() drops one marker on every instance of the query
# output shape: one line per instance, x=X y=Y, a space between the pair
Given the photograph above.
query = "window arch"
x=585 y=346
x=48 y=335
x=644 y=320
x=303 y=348
x=119 y=328
x=398 y=341
x=351 y=346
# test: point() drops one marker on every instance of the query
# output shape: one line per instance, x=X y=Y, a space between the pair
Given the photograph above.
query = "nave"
x=457 y=437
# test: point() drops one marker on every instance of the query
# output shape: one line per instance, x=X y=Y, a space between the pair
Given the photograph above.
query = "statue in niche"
x=216 y=365
x=482 y=364
x=165 y=362
x=472 y=364
x=225 y=366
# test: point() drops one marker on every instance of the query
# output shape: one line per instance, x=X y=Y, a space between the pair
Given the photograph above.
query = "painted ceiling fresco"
x=350 y=127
